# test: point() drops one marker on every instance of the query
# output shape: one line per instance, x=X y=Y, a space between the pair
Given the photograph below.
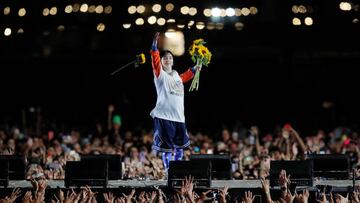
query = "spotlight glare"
x=184 y=10
x=169 y=7
x=76 y=7
x=92 y=9
x=108 y=9
x=151 y=20
x=296 y=21
x=53 y=11
x=171 y=20
x=302 y=9
x=156 y=8
x=230 y=12
x=140 y=9
x=237 y=12
x=20 y=31
x=245 y=11
x=295 y=9
x=99 y=9
x=161 y=21
x=61 y=28
x=192 y=11
x=215 y=12
x=139 y=21
x=239 y=26
x=7 y=31
x=308 y=21
x=219 y=26
x=253 y=10
x=22 y=12
x=222 y=12
x=46 y=12
x=210 y=26
x=126 y=25
x=132 y=9
x=68 y=9
x=84 y=8
x=181 y=26
x=7 y=10
x=200 y=25
x=207 y=12
x=100 y=27
x=191 y=23
x=345 y=6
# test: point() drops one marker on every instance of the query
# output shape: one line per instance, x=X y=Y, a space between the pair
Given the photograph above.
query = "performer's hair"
x=163 y=52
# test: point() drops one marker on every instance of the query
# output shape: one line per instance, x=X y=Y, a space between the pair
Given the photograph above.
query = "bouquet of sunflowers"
x=202 y=56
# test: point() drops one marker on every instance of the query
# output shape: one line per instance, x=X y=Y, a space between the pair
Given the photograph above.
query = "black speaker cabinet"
x=199 y=169
x=114 y=164
x=91 y=172
x=331 y=166
x=16 y=166
x=301 y=172
x=221 y=165
x=4 y=173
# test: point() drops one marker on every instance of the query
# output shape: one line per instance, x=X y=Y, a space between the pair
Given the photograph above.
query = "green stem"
x=195 y=81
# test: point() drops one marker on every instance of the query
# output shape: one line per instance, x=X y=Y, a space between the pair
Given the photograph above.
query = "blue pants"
x=169 y=135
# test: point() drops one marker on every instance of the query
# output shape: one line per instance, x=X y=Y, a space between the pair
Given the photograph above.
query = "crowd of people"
x=250 y=150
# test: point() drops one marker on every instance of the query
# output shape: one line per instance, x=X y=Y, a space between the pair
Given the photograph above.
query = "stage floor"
x=340 y=184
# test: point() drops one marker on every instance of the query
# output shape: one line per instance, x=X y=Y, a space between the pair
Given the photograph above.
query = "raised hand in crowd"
x=109 y=197
x=141 y=197
x=249 y=198
x=27 y=197
x=186 y=190
x=266 y=188
x=284 y=181
x=288 y=197
x=355 y=196
x=12 y=197
x=223 y=194
x=161 y=196
x=204 y=196
x=302 y=198
x=341 y=199
x=129 y=197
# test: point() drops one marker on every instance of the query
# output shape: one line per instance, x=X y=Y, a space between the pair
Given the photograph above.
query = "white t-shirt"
x=170 y=97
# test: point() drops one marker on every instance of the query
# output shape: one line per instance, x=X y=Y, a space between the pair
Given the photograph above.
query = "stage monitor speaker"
x=4 y=173
x=199 y=169
x=331 y=166
x=91 y=172
x=114 y=164
x=220 y=165
x=16 y=166
x=301 y=172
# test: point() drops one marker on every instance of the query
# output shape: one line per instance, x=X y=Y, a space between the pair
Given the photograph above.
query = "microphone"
x=140 y=59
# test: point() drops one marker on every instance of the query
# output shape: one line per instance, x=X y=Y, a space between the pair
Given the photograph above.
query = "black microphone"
x=140 y=59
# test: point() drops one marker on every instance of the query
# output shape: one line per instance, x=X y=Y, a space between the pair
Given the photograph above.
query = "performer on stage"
x=170 y=133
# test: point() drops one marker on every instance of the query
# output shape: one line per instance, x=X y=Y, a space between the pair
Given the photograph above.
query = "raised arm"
x=189 y=74
x=155 y=55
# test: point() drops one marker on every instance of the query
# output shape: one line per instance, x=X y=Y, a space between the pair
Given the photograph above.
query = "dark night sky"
x=267 y=74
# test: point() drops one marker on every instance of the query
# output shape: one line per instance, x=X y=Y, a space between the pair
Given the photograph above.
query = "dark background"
x=267 y=74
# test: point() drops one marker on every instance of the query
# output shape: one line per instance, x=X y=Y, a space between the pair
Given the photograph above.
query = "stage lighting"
x=308 y=21
x=156 y=8
x=7 y=31
x=22 y=12
x=132 y=9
